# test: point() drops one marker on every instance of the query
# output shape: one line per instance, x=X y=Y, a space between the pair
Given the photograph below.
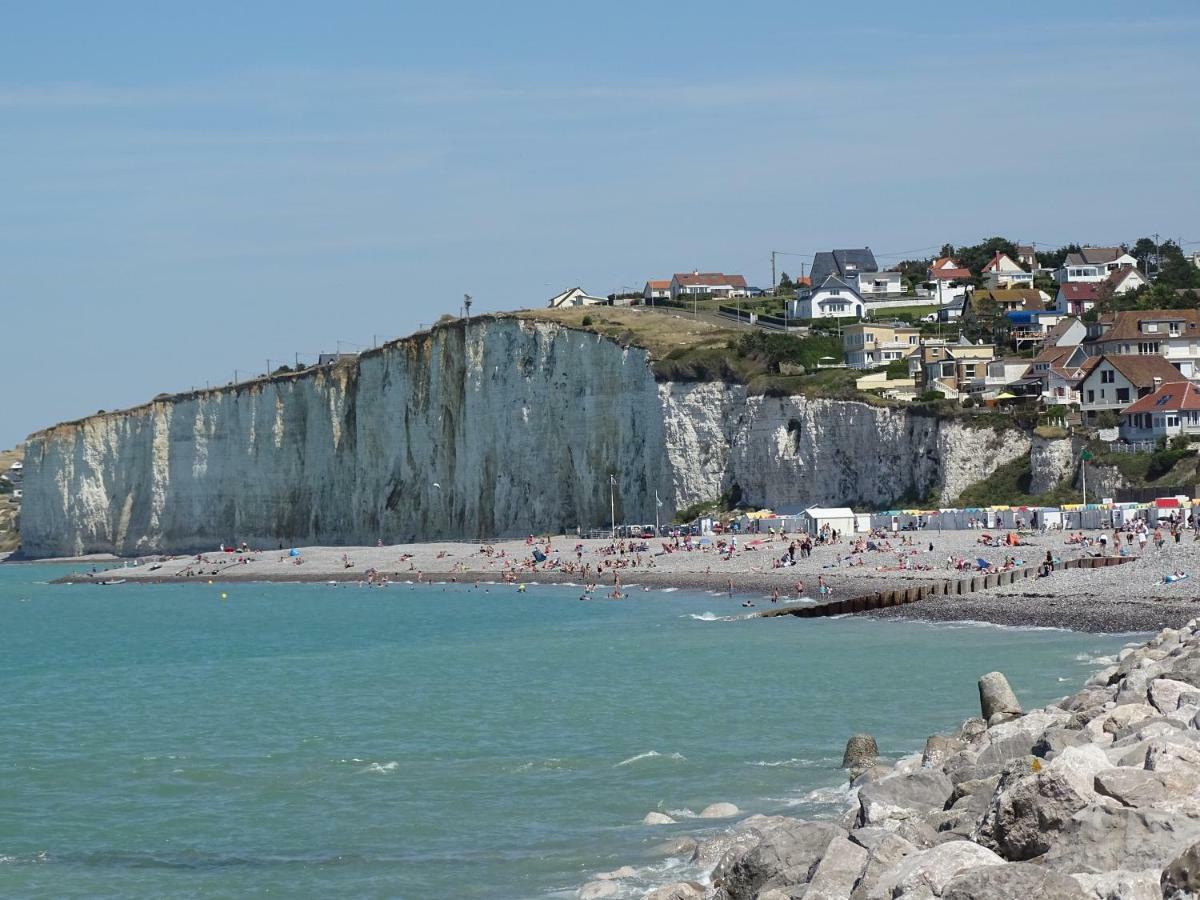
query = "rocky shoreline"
x=1095 y=797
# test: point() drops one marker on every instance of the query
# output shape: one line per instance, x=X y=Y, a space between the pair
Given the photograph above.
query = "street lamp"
x=612 y=503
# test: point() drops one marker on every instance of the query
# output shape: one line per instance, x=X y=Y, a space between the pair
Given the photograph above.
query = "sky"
x=190 y=190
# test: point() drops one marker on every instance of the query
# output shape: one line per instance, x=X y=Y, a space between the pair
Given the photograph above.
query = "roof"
x=1139 y=370
x=1080 y=290
x=1026 y=250
x=1126 y=324
x=1174 y=396
x=702 y=279
x=559 y=299
x=1030 y=297
x=842 y=263
x=658 y=285
x=1061 y=328
x=832 y=281
x=1055 y=356
x=1116 y=276
x=947 y=268
x=1095 y=256
x=994 y=263
x=830 y=512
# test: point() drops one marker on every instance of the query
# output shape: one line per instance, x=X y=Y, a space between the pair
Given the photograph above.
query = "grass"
x=1009 y=486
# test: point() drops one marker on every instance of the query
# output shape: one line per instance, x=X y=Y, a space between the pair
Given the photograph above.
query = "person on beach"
x=823 y=587
x=730 y=587
x=775 y=595
x=1141 y=539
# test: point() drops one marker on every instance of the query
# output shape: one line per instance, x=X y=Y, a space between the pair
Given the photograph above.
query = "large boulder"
x=861 y=752
x=719 y=811
x=1025 y=881
x=1032 y=810
x=1181 y=878
x=784 y=857
x=1186 y=669
x=1132 y=787
x=1121 y=885
x=598 y=890
x=680 y=890
x=939 y=748
x=657 y=818
x=1165 y=693
x=745 y=834
x=929 y=871
x=1105 y=838
x=838 y=871
x=885 y=850
x=997 y=702
x=903 y=796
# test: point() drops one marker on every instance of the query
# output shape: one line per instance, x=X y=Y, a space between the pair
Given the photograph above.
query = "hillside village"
x=1100 y=338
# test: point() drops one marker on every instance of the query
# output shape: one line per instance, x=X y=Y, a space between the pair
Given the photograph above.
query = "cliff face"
x=497 y=427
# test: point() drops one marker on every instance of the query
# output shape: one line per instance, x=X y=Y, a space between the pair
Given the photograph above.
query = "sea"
x=320 y=740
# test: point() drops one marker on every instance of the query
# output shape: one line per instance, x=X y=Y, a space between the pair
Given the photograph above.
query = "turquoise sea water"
x=320 y=741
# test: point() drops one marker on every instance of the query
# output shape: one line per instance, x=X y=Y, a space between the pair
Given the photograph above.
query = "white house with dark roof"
x=1093 y=264
x=833 y=298
x=858 y=269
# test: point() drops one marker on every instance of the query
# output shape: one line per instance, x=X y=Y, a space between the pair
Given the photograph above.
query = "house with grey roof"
x=1094 y=264
x=858 y=269
x=831 y=298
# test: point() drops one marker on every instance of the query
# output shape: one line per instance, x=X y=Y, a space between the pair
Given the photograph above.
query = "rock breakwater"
x=1095 y=796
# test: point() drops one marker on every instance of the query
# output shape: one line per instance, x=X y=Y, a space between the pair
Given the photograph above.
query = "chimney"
x=1157 y=382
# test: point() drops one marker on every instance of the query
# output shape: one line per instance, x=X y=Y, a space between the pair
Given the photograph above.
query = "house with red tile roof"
x=1173 y=334
x=948 y=281
x=1074 y=298
x=1111 y=383
x=711 y=284
x=656 y=290
x=1172 y=409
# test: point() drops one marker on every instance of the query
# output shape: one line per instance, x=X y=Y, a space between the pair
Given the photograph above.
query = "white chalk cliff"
x=496 y=427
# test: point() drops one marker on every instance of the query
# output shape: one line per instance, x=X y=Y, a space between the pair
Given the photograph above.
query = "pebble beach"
x=1132 y=597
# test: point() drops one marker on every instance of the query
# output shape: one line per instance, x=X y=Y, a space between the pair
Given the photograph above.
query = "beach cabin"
x=839 y=518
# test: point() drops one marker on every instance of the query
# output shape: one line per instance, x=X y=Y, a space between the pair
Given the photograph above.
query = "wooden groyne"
x=945 y=588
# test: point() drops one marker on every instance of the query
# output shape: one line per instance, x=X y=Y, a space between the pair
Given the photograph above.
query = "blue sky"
x=190 y=189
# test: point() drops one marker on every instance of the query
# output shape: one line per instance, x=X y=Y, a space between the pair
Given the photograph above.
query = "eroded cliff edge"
x=495 y=427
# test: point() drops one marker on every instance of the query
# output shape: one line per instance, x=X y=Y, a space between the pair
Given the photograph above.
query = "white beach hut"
x=840 y=518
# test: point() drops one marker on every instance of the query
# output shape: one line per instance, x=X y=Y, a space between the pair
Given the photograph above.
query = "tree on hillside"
x=785 y=282
x=1175 y=270
x=1054 y=259
x=978 y=255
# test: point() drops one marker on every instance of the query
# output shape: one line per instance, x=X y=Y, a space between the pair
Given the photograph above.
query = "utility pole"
x=773 y=281
x=297 y=359
x=467 y=305
x=612 y=503
x=1157 y=256
x=268 y=367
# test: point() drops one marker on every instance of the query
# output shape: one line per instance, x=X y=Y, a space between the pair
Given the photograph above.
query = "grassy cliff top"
x=658 y=331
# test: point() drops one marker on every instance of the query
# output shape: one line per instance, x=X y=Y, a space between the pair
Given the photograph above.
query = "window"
x=1149 y=327
x=1172 y=421
x=1107 y=376
x=1173 y=328
x=1148 y=348
x=969 y=370
x=948 y=370
x=1122 y=395
x=835 y=291
x=1091 y=396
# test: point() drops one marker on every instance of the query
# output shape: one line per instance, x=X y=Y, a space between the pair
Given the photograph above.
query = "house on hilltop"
x=868 y=345
x=947 y=281
x=858 y=269
x=1093 y=264
x=1001 y=272
x=575 y=296
x=710 y=284
x=656 y=290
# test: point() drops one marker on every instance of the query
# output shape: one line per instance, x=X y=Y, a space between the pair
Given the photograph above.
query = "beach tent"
x=839 y=518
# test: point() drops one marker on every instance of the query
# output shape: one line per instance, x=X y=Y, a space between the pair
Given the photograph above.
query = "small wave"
x=711 y=617
x=794 y=763
x=651 y=754
x=380 y=768
x=1088 y=659
x=684 y=813
x=553 y=764
x=669 y=590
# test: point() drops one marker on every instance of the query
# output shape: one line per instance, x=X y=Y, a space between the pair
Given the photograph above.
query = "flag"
x=657 y=502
